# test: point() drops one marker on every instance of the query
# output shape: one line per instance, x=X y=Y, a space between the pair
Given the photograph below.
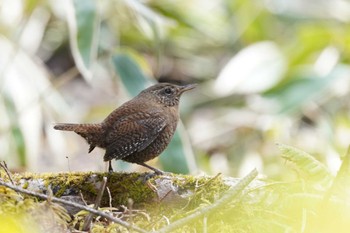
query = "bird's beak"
x=187 y=87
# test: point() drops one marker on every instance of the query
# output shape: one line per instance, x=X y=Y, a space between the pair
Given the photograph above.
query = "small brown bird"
x=140 y=129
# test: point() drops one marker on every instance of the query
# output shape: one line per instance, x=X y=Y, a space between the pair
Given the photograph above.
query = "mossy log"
x=168 y=197
x=124 y=187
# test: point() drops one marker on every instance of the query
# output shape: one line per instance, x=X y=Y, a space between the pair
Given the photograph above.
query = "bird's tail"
x=92 y=133
x=78 y=128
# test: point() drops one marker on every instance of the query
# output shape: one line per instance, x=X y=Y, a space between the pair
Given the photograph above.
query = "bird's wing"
x=133 y=134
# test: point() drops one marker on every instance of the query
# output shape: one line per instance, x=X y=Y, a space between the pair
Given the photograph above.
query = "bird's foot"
x=156 y=171
x=148 y=175
x=151 y=175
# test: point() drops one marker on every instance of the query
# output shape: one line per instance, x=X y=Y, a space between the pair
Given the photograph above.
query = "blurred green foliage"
x=269 y=71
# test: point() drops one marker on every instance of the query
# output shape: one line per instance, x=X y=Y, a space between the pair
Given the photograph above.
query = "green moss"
x=205 y=189
x=25 y=185
x=145 y=210
x=127 y=186
x=122 y=186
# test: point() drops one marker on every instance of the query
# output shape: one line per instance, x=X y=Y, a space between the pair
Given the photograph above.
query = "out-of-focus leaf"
x=169 y=10
x=314 y=169
x=129 y=72
x=34 y=30
x=149 y=21
x=20 y=145
x=300 y=90
x=178 y=157
x=254 y=69
x=344 y=170
x=341 y=183
x=26 y=88
x=16 y=133
x=83 y=20
x=30 y=5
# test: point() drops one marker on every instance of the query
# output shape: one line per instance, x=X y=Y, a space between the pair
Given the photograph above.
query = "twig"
x=88 y=218
x=209 y=181
x=166 y=219
x=82 y=197
x=68 y=163
x=167 y=194
x=109 y=197
x=232 y=193
x=76 y=205
x=129 y=208
x=4 y=166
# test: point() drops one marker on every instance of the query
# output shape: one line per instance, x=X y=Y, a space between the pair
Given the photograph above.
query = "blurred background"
x=269 y=71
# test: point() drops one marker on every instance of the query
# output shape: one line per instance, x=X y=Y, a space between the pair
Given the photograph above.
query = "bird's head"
x=166 y=93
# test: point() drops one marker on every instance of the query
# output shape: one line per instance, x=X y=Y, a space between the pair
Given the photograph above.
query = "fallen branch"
x=76 y=205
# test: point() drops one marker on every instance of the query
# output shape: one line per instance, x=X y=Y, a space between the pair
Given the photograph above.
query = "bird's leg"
x=110 y=168
x=157 y=171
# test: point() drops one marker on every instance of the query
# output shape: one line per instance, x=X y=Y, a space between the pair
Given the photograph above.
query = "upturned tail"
x=92 y=133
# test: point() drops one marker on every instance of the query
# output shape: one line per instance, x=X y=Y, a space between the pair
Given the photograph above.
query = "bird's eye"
x=168 y=91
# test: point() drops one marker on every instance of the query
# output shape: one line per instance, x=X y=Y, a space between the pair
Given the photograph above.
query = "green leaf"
x=18 y=137
x=299 y=90
x=15 y=130
x=254 y=69
x=341 y=183
x=130 y=74
x=343 y=175
x=314 y=169
x=83 y=23
x=178 y=156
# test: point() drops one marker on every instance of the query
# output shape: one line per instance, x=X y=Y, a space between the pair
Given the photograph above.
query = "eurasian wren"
x=140 y=129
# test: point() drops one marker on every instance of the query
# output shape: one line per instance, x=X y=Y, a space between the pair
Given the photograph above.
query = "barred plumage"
x=140 y=129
